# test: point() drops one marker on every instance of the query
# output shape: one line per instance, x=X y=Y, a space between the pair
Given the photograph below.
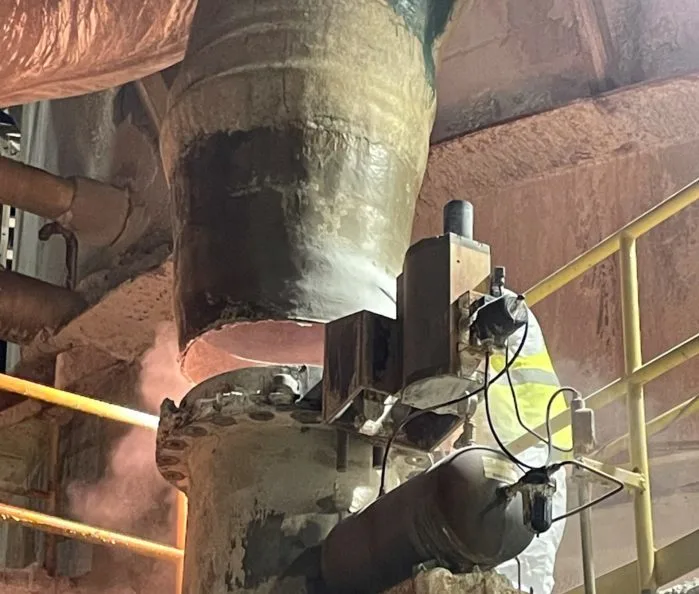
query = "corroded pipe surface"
x=57 y=49
x=30 y=307
x=94 y=211
x=34 y=190
x=295 y=143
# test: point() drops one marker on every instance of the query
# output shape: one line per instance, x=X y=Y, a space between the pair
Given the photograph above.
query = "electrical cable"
x=491 y=425
x=619 y=487
x=416 y=414
x=549 y=441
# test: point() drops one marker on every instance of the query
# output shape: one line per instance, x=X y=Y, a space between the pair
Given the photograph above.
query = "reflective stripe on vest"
x=534 y=381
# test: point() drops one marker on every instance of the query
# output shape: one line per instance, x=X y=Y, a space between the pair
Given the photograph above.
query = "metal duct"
x=94 y=211
x=30 y=307
x=57 y=49
x=295 y=143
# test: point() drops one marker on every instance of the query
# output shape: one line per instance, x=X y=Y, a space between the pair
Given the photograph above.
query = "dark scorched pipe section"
x=295 y=143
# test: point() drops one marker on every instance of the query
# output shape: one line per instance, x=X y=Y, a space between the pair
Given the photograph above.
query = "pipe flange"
x=279 y=395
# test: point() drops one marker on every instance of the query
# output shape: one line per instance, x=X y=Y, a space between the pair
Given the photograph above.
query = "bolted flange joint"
x=280 y=395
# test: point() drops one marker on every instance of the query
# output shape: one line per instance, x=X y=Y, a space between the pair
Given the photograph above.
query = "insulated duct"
x=295 y=143
x=94 y=211
x=57 y=49
x=30 y=307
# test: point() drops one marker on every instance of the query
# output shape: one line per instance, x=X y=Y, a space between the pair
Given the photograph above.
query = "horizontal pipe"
x=86 y=533
x=34 y=190
x=455 y=512
x=83 y=404
x=656 y=425
x=30 y=307
x=639 y=226
x=646 y=373
x=95 y=212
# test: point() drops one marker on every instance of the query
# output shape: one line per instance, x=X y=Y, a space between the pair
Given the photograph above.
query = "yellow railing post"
x=638 y=446
x=181 y=537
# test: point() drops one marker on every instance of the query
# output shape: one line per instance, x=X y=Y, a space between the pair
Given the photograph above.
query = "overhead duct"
x=58 y=49
x=94 y=211
x=30 y=307
x=295 y=143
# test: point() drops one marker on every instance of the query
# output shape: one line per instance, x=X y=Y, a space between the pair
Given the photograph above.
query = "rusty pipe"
x=95 y=212
x=30 y=307
x=295 y=144
x=34 y=190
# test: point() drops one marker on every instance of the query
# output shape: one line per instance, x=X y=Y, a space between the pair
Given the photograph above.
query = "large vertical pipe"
x=295 y=142
x=262 y=484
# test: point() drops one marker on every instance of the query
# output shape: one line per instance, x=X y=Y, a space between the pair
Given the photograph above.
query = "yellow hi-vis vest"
x=534 y=381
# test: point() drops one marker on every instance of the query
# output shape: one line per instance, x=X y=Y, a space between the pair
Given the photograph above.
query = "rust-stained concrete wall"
x=509 y=58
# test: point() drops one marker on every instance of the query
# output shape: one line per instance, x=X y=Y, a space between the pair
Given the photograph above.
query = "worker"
x=533 y=381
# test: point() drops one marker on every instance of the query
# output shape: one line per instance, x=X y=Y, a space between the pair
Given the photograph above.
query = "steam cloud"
x=132 y=497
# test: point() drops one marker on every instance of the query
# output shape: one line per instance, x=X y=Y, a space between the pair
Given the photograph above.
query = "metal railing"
x=652 y=568
x=76 y=530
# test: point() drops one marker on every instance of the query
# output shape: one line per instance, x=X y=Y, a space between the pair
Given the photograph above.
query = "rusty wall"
x=544 y=54
x=537 y=224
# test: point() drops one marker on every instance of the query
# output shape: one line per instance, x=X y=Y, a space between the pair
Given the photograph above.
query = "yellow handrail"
x=90 y=406
x=636 y=374
x=656 y=425
x=70 y=529
x=61 y=527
